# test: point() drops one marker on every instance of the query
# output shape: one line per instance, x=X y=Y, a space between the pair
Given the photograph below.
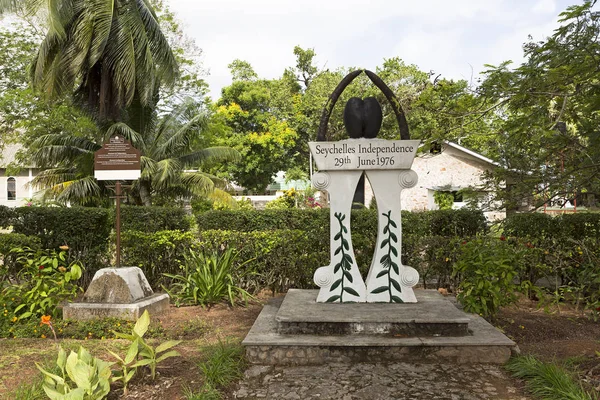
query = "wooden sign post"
x=117 y=160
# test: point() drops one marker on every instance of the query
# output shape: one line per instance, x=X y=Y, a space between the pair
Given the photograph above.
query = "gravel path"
x=379 y=381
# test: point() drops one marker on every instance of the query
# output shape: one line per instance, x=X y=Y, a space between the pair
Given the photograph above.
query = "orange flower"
x=46 y=320
x=64 y=247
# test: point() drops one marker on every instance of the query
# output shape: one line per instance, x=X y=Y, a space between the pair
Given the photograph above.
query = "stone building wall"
x=452 y=170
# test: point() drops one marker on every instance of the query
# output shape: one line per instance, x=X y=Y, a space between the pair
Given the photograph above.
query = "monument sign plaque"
x=117 y=160
x=386 y=164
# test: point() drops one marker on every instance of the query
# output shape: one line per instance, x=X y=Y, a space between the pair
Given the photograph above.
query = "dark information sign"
x=117 y=154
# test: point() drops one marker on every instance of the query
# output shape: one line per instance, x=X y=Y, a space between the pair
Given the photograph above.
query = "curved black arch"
x=377 y=81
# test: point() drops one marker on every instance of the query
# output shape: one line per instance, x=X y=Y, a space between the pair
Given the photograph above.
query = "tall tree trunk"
x=145 y=193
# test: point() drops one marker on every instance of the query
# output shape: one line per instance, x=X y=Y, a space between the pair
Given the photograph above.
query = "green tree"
x=111 y=54
x=548 y=137
x=24 y=115
x=251 y=117
x=171 y=164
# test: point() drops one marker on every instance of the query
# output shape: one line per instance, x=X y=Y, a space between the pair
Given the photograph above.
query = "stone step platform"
x=431 y=316
x=282 y=336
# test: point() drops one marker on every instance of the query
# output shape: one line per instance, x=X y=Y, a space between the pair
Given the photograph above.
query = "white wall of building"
x=452 y=169
x=24 y=191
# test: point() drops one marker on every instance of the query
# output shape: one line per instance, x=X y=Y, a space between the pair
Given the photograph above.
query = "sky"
x=452 y=38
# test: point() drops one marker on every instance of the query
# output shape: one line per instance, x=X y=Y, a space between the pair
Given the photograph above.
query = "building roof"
x=472 y=153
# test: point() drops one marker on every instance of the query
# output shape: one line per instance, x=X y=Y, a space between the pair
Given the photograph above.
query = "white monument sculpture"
x=386 y=164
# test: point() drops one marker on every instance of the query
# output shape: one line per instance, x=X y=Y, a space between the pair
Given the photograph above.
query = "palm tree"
x=170 y=145
x=110 y=53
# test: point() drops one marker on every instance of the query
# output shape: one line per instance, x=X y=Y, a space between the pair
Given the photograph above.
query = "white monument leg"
x=340 y=281
x=389 y=281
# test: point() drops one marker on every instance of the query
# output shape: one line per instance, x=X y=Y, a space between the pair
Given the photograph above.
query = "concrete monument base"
x=299 y=331
x=119 y=293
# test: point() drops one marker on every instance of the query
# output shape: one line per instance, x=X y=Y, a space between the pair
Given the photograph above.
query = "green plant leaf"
x=132 y=352
x=145 y=361
x=168 y=354
x=380 y=289
x=142 y=324
x=167 y=345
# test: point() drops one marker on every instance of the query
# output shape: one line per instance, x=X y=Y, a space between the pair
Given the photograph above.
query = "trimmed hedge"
x=541 y=226
x=428 y=223
x=156 y=252
x=85 y=230
x=6 y=216
x=281 y=258
x=153 y=219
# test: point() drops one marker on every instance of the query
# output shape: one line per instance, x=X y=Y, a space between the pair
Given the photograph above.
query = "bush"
x=538 y=225
x=6 y=216
x=364 y=222
x=156 y=252
x=10 y=241
x=487 y=269
x=154 y=219
x=281 y=258
x=85 y=230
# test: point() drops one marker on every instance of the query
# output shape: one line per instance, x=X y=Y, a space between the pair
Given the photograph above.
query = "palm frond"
x=128 y=133
x=210 y=155
x=81 y=191
x=168 y=172
x=197 y=183
x=149 y=167
x=53 y=150
x=182 y=138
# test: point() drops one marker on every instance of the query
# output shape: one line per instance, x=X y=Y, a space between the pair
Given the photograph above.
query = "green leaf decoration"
x=380 y=289
x=385 y=258
x=333 y=298
x=396 y=285
x=348 y=276
x=335 y=285
x=337 y=251
x=337 y=236
x=348 y=258
x=344 y=229
x=385 y=229
x=337 y=267
x=393 y=236
x=343 y=217
x=345 y=244
x=393 y=249
x=384 y=243
x=395 y=267
x=381 y=273
x=397 y=299
x=392 y=223
x=351 y=291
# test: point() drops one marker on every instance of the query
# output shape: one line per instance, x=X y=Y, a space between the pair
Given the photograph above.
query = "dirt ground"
x=566 y=336
x=563 y=335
